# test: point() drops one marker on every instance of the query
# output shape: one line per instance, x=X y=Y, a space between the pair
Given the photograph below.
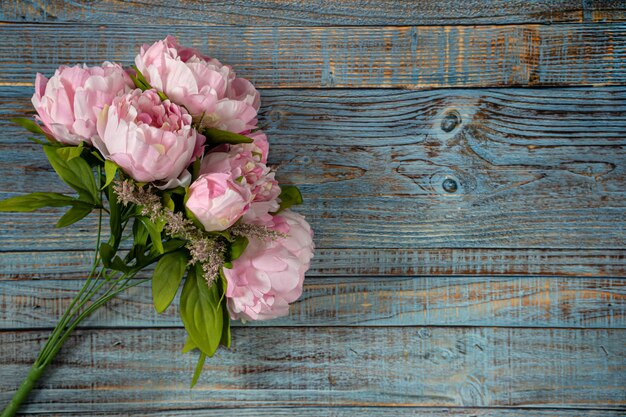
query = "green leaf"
x=115 y=218
x=37 y=141
x=225 y=340
x=97 y=155
x=198 y=370
x=70 y=152
x=139 y=80
x=76 y=173
x=73 y=215
x=173 y=244
x=237 y=247
x=168 y=202
x=140 y=239
x=189 y=345
x=110 y=169
x=166 y=279
x=217 y=137
x=34 y=201
x=195 y=169
x=29 y=124
x=201 y=312
x=119 y=265
x=155 y=233
x=140 y=233
x=106 y=254
x=289 y=196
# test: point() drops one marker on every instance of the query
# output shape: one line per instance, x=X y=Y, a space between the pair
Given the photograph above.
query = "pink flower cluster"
x=154 y=135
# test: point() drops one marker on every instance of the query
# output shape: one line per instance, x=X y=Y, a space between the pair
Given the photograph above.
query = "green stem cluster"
x=100 y=286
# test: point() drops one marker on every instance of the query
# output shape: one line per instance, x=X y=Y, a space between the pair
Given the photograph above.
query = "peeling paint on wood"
x=142 y=370
x=530 y=172
x=407 y=57
x=314 y=12
x=350 y=262
x=378 y=301
x=471 y=242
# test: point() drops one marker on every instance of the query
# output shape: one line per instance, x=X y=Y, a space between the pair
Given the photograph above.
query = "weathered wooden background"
x=506 y=297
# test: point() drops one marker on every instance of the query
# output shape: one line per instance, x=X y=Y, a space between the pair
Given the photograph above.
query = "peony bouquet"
x=171 y=152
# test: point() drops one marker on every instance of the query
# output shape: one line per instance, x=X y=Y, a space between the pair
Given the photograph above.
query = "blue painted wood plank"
x=408 y=57
x=352 y=262
x=533 y=168
x=142 y=370
x=372 y=301
x=314 y=12
x=363 y=411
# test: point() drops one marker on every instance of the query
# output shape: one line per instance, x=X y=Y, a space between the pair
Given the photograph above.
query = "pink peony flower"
x=218 y=200
x=232 y=182
x=208 y=90
x=151 y=140
x=69 y=102
x=269 y=274
x=260 y=145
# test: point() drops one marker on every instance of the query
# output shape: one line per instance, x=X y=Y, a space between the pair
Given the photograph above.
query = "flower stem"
x=82 y=308
x=25 y=388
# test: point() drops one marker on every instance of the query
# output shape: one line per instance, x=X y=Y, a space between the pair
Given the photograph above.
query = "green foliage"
x=73 y=215
x=76 y=173
x=139 y=80
x=201 y=311
x=67 y=153
x=198 y=370
x=225 y=340
x=110 y=169
x=239 y=244
x=106 y=254
x=110 y=259
x=143 y=84
x=35 y=201
x=115 y=218
x=166 y=279
x=218 y=137
x=28 y=124
x=289 y=196
x=154 y=231
x=195 y=169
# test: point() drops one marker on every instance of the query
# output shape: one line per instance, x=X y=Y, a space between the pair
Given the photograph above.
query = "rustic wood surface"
x=315 y=12
x=372 y=165
x=504 y=298
x=318 y=366
x=355 y=56
x=347 y=301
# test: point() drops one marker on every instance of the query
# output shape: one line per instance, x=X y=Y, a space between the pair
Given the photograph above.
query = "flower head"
x=151 y=140
x=69 y=102
x=232 y=184
x=269 y=274
x=210 y=91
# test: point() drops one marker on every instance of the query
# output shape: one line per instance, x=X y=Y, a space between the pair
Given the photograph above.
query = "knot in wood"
x=449 y=185
x=450 y=121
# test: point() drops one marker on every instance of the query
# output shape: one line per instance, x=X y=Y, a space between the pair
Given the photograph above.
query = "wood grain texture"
x=535 y=169
x=361 y=411
x=142 y=370
x=314 y=12
x=408 y=57
x=380 y=301
x=504 y=298
x=349 y=262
